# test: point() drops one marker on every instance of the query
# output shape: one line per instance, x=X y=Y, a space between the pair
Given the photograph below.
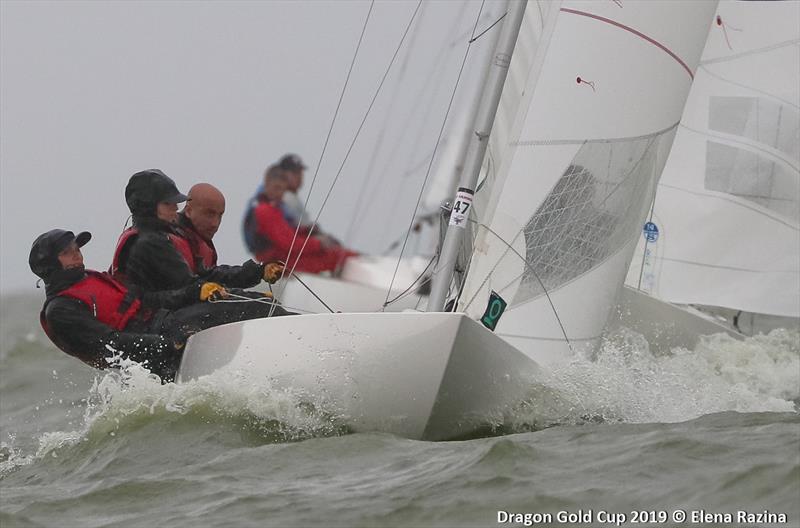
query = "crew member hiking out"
x=99 y=320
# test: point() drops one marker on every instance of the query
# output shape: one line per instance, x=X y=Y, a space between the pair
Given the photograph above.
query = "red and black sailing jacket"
x=181 y=244
x=110 y=302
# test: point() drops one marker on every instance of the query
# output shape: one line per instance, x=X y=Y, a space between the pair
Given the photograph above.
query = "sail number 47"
x=458 y=216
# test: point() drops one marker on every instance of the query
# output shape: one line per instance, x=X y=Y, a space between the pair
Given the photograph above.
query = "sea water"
x=627 y=437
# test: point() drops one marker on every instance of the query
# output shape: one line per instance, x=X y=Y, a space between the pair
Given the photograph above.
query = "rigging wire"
x=433 y=157
x=425 y=93
x=355 y=138
x=533 y=271
x=328 y=137
x=349 y=235
x=407 y=291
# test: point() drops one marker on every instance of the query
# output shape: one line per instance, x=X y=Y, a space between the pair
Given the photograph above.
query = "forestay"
x=594 y=94
x=727 y=209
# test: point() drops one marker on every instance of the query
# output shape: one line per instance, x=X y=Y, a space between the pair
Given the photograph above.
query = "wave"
x=123 y=404
x=625 y=382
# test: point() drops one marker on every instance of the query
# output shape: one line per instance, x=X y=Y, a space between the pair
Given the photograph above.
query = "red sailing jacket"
x=270 y=223
x=110 y=302
x=181 y=245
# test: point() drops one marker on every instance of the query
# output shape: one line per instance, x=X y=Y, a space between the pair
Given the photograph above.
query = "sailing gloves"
x=273 y=272
x=212 y=291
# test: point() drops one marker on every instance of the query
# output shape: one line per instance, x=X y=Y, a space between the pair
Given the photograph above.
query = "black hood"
x=146 y=189
x=61 y=279
x=153 y=223
x=43 y=258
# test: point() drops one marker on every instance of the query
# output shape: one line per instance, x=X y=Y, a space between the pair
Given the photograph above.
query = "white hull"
x=340 y=295
x=533 y=328
x=665 y=325
x=363 y=287
x=429 y=376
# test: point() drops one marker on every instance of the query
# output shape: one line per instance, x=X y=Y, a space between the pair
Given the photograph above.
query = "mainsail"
x=726 y=211
x=594 y=95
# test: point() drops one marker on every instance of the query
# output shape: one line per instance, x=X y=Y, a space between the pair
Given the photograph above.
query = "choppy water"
x=713 y=429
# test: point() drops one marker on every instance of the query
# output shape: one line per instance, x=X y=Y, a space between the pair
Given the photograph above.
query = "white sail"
x=727 y=208
x=585 y=124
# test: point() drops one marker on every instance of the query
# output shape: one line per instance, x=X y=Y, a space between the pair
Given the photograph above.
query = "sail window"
x=769 y=122
x=590 y=213
x=754 y=177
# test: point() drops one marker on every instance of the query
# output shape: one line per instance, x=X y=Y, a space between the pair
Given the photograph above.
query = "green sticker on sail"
x=494 y=310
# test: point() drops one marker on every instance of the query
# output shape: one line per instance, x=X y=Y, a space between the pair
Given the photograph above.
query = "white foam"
x=626 y=382
x=131 y=393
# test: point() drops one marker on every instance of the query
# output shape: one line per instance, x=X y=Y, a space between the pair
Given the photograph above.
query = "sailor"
x=271 y=237
x=156 y=255
x=293 y=210
x=292 y=207
x=200 y=220
x=99 y=320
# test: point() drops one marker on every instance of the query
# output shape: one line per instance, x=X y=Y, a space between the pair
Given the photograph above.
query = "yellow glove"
x=213 y=291
x=268 y=294
x=273 y=272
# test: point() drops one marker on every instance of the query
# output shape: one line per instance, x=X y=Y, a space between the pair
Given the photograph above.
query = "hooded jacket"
x=151 y=261
x=78 y=329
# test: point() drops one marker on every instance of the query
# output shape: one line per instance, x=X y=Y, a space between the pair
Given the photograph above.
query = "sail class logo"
x=494 y=309
x=650 y=232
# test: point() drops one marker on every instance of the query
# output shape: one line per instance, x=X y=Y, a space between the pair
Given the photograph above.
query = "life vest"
x=111 y=303
x=256 y=242
x=204 y=253
x=181 y=244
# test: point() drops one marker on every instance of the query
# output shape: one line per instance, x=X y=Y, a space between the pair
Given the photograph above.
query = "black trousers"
x=180 y=324
x=173 y=328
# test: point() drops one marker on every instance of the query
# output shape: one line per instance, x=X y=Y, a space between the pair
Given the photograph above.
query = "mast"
x=490 y=99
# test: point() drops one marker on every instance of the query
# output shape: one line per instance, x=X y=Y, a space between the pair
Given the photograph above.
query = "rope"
x=473 y=39
x=242 y=299
x=355 y=138
x=433 y=156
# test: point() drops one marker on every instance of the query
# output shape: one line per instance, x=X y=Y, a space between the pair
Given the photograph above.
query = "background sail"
x=588 y=115
x=727 y=206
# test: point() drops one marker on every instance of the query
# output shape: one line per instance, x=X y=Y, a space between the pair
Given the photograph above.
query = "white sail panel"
x=571 y=178
x=727 y=207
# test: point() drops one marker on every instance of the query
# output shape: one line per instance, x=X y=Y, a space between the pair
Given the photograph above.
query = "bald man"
x=197 y=224
x=200 y=219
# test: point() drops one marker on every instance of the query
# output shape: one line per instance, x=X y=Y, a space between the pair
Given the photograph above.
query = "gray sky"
x=91 y=92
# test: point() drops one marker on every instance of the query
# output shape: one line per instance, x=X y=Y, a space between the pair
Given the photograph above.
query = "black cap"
x=146 y=189
x=43 y=259
x=291 y=162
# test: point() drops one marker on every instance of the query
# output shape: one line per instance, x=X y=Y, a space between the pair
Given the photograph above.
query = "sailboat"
x=582 y=101
x=724 y=231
